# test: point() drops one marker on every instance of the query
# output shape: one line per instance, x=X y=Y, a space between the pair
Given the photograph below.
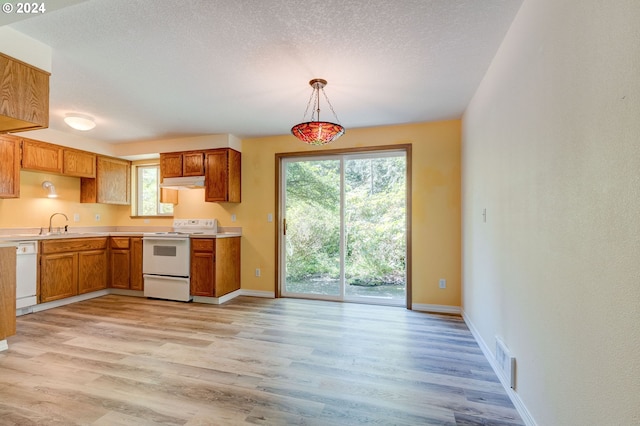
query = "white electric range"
x=166 y=258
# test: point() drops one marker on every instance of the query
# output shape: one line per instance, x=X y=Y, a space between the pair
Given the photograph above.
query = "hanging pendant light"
x=316 y=132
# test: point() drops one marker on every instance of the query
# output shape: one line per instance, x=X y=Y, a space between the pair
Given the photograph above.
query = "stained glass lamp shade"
x=316 y=132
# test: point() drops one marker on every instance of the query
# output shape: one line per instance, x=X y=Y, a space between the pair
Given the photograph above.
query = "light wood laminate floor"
x=120 y=360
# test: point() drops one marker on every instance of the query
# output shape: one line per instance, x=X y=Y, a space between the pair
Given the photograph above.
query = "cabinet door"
x=170 y=165
x=92 y=271
x=111 y=185
x=24 y=96
x=41 y=156
x=222 y=176
x=7 y=292
x=193 y=164
x=227 y=265
x=9 y=167
x=120 y=264
x=135 y=279
x=216 y=179
x=58 y=276
x=202 y=267
x=234 y=174
x=78 y=163
x=114 y=179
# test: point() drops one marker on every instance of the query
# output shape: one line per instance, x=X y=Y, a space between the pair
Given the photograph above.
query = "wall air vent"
x=506 y=362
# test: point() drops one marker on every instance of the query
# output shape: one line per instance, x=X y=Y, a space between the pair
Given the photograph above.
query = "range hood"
x=186 y=182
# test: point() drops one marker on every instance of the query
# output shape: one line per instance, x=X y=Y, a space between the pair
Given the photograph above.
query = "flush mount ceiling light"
x=80 y=121
x=51 y=190
x=316 y=132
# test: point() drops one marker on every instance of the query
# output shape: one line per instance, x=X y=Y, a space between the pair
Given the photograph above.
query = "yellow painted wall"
x=436 y=203
x=33 y=208
x=435 y=214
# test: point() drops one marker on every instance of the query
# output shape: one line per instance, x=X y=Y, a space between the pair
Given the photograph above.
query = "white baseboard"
x=216 y=300
x=3 y=345
x=439 y=309
x=527 y=418
x=258 y=293
x=67 y=301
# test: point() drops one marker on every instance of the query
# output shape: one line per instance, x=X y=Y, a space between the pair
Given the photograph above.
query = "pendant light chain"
x=304 y=117
x=330 y=107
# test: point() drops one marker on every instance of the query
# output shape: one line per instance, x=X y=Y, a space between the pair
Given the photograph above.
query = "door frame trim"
x=324 y=153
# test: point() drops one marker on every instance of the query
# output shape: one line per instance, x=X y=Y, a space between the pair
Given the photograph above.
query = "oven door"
x=165 y=256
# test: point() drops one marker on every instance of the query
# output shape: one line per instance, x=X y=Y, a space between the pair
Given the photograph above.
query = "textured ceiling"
x=155 y=69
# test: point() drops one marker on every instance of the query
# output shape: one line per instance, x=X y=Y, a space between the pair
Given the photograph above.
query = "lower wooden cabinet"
x=92 y=271
x=126 y=263
x=203 y=262
x=7 y=292
x=58 y=276
x=72 y=266
x=136 y=281
x=215 y=266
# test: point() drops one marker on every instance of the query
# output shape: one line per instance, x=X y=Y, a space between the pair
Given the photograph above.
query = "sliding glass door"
x=344 y=227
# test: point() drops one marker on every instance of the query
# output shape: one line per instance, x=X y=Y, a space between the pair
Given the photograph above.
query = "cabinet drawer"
x=73 y=244
x=202 y=244
x=119 y=242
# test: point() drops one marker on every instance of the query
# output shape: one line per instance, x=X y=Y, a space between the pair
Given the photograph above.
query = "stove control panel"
x=195 y=224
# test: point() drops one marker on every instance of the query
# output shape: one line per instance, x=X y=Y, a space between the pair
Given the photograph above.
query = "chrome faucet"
x=51 y=218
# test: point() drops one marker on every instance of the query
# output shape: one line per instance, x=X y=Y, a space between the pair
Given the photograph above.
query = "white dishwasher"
x=26 y=274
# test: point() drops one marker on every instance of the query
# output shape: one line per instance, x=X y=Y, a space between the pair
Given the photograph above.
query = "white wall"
x=25 y=49
x=551 y=148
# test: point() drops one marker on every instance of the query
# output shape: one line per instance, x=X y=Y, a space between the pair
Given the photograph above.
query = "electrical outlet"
x=257 y=272
x=233 y=217
x=76 y=217
x=442 y=283
x=270 y=217
x=97 y=217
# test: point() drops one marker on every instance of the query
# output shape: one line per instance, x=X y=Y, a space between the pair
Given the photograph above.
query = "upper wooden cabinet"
x=24 y=96
x=111 y=184
x=220 y=167
x=78 y=163
x=9 y=167
x=170 y=165
x=179 y=164
x=222 y=176
x=41 y=156
x=48 y=157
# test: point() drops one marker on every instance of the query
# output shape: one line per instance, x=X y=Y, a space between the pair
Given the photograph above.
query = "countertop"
x=11 y=239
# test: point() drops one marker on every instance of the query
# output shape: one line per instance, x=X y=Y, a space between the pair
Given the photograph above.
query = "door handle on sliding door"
x=284 y=226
